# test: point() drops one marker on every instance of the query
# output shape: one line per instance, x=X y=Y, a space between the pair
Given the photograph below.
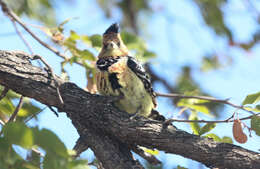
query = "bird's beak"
x=111 y=45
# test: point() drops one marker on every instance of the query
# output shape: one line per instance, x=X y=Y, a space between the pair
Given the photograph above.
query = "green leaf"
x=195 y=127
x=87 y=55
x=208 y=127
x=78 y=164
x=28 y=108
x=194 y=104
x=74 y=36
x=148 y=54
x=254 y=109
x=180 y=167
x=226 y=139
x=50 y=142
x=252 y=98
x=96 y=40
x=51 y=161
x=19 y=133
x=6 y=106
x=214 y=137
x=255 y=124
x=150 y=151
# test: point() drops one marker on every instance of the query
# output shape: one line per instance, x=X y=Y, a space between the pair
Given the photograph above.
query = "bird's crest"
x=114 y=28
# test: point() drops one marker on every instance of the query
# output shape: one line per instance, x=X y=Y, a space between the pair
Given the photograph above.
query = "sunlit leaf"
x=209 y=63
x=226 y=139
x=206 y=128
x=74 y=35
x=96 y=40
x=252 y=98
x=150 y=151
x=195 y=127
x=27 y=109
x=194 y=104
x=255 y=124
x=180 y=167
x=214 y=137
x=19 y=133
x=54 y=162
x=50 y=142
x=78 y=164
x=6 y=106
x=87 y=55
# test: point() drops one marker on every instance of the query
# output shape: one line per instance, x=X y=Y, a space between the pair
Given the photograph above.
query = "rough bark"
x=109 y=132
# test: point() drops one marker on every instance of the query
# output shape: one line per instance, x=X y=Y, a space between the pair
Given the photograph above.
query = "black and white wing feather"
x=139 y=70
x=104 y=63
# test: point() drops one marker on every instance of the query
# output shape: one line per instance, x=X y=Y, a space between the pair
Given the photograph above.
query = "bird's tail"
x=155 y=115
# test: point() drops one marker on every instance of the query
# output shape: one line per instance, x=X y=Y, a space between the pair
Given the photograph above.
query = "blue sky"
x=186 y=40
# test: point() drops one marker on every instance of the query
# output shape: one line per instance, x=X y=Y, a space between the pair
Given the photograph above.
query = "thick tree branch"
x=107 y=130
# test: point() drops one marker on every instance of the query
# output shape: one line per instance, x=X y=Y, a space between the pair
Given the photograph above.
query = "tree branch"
x=109 y=132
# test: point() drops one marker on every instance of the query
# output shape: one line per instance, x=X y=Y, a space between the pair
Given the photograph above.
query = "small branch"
x=21 y=36
x=14 y=17
x=2 y=122
x=18 y=107
x=4 y=92
x=37 y=152
x=212 y=99
x=53 y=111
x=52 y=74
x=35 y=114
x=209 y=121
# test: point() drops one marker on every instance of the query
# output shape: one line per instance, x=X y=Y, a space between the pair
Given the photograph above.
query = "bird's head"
x=113 y=45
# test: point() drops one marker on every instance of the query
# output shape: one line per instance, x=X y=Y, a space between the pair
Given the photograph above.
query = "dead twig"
x=53 y=111
x=18 y=107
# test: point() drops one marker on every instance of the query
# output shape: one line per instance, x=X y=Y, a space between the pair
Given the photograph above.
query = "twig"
x=4 y=92
x=18 y=107
x=21 y=36
x=35 y=114
x=2 y=122
x=13 y=16
x=52 y=74
x=212 y=99
x=53 y=111
x=228 y=120
x=37 y=152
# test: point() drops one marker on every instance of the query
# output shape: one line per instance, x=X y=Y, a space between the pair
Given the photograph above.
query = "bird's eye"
x=118 y=44
x=105 y=45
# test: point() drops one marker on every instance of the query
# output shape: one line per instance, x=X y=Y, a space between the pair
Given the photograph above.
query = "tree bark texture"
x=109 y=132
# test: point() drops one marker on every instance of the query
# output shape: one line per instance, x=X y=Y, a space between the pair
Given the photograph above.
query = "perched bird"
x=122 y=75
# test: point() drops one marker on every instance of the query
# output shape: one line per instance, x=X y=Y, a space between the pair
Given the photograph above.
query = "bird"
x=120 y=74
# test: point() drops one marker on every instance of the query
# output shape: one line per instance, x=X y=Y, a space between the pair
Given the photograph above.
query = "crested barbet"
x=120 y=74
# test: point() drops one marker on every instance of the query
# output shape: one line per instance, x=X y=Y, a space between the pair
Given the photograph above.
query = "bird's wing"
x=140 y=72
